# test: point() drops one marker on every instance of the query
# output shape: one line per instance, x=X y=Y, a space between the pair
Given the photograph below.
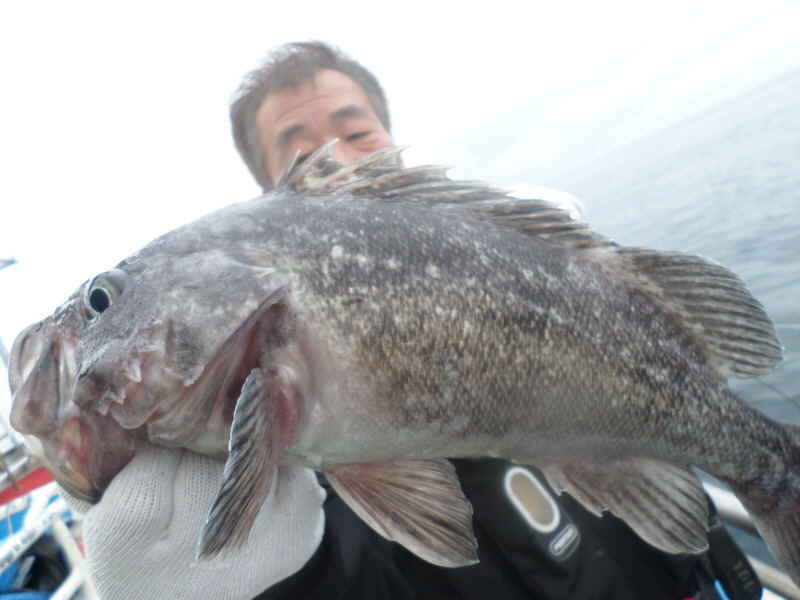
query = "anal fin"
x=662 y=502
x=263 y=423
x=417 y=503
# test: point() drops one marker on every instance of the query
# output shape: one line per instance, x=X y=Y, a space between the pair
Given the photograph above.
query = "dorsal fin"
x=379 y=176
x=715 y=304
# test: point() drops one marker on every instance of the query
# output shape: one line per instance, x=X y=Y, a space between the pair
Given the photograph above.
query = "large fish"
x=367 y=321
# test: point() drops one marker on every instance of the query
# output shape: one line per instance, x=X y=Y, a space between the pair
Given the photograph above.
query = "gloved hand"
x=141 y=538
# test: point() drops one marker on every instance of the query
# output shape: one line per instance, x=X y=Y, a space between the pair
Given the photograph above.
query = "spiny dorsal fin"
x=379 y=176
x=322 y=173
x=715 y=303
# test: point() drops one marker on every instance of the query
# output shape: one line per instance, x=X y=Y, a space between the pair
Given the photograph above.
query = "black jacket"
x=583 y=558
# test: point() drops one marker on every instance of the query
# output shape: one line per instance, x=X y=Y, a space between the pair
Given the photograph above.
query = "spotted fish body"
x=367 y=321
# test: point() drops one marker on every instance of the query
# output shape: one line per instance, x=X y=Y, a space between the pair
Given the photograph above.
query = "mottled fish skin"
x=367 y=321
x=485 y=318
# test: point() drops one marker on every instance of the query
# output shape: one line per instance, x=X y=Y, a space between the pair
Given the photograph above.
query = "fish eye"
x=99 y=300
x=103 y=291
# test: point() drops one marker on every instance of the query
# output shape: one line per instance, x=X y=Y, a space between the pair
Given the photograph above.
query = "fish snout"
x=26 y=350
x=42 y=373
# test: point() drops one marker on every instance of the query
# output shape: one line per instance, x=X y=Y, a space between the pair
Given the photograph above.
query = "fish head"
x=128 y=356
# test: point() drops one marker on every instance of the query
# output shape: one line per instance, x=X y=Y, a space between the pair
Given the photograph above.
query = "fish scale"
x=369 y=321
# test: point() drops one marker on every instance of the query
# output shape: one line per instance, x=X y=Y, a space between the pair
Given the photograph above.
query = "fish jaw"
x=64 y=465
x=85 y=454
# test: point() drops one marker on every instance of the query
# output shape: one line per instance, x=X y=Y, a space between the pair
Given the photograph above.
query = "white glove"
x=141 y=538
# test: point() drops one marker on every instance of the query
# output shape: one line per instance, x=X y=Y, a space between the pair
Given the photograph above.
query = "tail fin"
x=774 y=504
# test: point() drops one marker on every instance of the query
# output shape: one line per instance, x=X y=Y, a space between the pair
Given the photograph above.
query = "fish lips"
x=42 y=371
x=73 y=480
x=86 y=453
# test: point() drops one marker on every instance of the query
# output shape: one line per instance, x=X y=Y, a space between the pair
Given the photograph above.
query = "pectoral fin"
x=417 y=503
x=662 y=502
x=263 y=423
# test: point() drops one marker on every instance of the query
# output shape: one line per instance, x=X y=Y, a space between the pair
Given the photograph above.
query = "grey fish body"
x=367 y=322
x=460 y=341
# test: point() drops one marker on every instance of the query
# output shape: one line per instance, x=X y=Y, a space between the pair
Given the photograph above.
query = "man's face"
x=330 y=106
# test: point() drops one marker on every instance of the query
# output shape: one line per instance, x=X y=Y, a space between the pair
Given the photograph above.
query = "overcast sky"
x=114 y=127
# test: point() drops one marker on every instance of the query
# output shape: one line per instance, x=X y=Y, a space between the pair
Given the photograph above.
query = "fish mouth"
x=81 y=489
x=63 y=454
x=73 y=474
x=82 y=449
x=41 y=370
x=74 y=480
x=85 y=453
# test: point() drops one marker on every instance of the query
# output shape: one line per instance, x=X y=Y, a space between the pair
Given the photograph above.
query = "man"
x=307 y=95
x=532 y=543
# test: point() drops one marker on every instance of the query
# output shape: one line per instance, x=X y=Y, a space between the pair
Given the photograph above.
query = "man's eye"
x=357 y=136
x=301 y=159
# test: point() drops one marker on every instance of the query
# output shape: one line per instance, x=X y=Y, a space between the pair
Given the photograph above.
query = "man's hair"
x=289 y=66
